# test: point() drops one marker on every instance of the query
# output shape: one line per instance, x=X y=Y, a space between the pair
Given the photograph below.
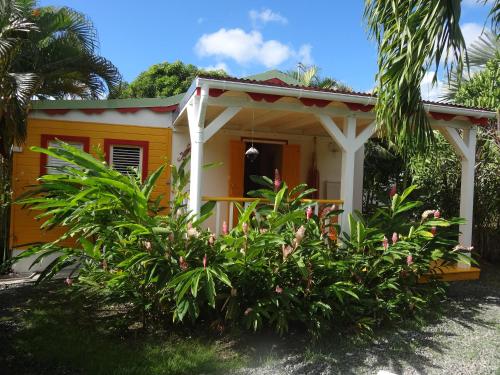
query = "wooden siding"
x=26 y=165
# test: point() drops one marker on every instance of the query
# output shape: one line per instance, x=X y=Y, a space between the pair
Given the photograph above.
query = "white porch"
x=216 y=112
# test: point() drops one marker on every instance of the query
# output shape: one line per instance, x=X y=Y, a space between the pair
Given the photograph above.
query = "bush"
x=281 y=265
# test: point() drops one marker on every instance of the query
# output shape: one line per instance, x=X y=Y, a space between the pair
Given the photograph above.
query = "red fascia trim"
x=359 y=107
x=308 y=102
x=216 y=92
x=482 y=121
x=124 y=142
x=266 y=97
x=53 y=112
x=441 y=116
x=128 y=110
x=170 y=108
x=46 y=138
x=92 y=111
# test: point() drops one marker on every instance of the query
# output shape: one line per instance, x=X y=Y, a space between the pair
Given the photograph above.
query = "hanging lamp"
x=252 y=153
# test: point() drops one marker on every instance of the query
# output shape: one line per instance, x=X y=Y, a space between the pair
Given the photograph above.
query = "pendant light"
x=252 y=153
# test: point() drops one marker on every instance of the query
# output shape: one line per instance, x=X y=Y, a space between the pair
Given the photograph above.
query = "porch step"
x=453 y=273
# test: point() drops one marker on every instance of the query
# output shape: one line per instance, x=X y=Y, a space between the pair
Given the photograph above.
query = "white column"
x=359 y=161
x=196 y=118
x=467 y=187
x=465 y=147
x=348 y=167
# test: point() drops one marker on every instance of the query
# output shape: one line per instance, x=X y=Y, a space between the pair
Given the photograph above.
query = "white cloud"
x=429 y=90
x=265 y=16
x=471 y=31
x=219 y=66
x=248 y=47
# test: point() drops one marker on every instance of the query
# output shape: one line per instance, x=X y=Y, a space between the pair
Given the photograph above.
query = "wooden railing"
x=230 y=201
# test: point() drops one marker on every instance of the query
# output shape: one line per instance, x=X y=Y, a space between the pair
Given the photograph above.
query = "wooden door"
x=290 y=170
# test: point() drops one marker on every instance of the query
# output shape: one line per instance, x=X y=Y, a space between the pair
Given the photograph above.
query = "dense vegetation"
x=281 y=266
x=162 y=80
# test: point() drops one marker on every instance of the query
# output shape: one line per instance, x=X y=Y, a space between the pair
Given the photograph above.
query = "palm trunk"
x=5 y=202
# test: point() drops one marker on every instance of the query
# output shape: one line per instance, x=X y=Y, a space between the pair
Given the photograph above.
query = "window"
x=123 y=155
x=51 y=140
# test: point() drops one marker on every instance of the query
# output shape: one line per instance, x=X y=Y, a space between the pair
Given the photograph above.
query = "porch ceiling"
x=272 y=120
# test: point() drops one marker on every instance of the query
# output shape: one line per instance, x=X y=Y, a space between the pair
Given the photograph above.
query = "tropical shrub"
x=280 y=266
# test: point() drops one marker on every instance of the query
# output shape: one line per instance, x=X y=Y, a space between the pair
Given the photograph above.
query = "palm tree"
x=414 y=36
x=309 y=76
x=486 y=48
x=45 y=52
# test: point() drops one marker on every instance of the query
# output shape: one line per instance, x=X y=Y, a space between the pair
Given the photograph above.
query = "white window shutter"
x=124 y=158
x=55 y=162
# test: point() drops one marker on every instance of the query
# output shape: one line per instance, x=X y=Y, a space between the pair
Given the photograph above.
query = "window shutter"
x=58 y=163
x=123 y=158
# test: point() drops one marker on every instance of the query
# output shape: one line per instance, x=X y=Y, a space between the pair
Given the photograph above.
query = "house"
x=221 y=118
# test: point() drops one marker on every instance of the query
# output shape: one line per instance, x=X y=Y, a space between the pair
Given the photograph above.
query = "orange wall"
x=26 y=167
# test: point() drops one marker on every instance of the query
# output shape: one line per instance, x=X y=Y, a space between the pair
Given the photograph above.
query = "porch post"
x=196 y=118
x=348 y=170
x=465 y=147
x=359 y=161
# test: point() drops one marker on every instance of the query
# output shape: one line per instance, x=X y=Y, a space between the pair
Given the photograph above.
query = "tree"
x=45 y=52
x=413 y=36
x=163 y=80
x=309 y=76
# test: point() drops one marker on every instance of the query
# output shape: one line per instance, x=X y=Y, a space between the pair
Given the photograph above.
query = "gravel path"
x=465 y=340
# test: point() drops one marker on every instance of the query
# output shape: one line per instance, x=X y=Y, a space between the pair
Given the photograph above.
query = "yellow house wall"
x=26 y=165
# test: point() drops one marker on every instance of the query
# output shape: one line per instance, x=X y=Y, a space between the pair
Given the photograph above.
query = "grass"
x=47 y=335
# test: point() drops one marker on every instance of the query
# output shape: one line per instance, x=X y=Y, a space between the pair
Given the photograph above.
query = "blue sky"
x=245 y=37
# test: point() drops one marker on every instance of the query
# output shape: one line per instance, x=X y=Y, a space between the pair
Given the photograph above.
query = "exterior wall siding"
x=26 y=167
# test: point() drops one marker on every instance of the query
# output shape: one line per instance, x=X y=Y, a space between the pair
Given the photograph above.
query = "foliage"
x=413 y=36
x=280 y=266
x=309 y=76
x=162 y=80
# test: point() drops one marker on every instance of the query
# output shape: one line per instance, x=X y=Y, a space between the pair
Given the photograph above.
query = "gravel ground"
x=465 y=340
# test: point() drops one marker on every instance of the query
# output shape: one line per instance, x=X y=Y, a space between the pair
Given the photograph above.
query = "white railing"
x=225 y=208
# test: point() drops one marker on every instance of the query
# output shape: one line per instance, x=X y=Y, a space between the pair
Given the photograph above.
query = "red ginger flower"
x=68 y=281
x=393 y=191
x=309 y=212
x=225 y=229
x=299 y=235
x=205 y=262
x=409 y=260
x=437 y=214
x=394 y=238
x=279 y=289
x=183 y=264
x=287 y=250
x=277 y=180
x=385 y=243
x=433 y=231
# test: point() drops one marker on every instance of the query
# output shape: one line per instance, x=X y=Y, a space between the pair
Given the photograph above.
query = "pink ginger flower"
x=299 y=235
x=409 y=260
x=148 y=246
x=309 y=212
x=279 y=289
x=334 y=207
x=394 y=238
x=427 y=213
x=248 y=311
x=205 y=262
x=183 y=264
x=277 y=180
x=437 y=214
x=287 y=250
x=385 y=243
x=225 y=229
x=433 y=231
x=393 y=191
x=244 y=228
x=68 y=281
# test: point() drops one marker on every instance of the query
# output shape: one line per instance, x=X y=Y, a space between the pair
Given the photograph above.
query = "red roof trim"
x=442 y=116
x=216 y=92
x=359 y=107
x=482 y=121
x=317 y=102
x=276 y=81
x=52 y=112
x=125 y=142
x=266 y=97
x=46 y=138
x=169 y=108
